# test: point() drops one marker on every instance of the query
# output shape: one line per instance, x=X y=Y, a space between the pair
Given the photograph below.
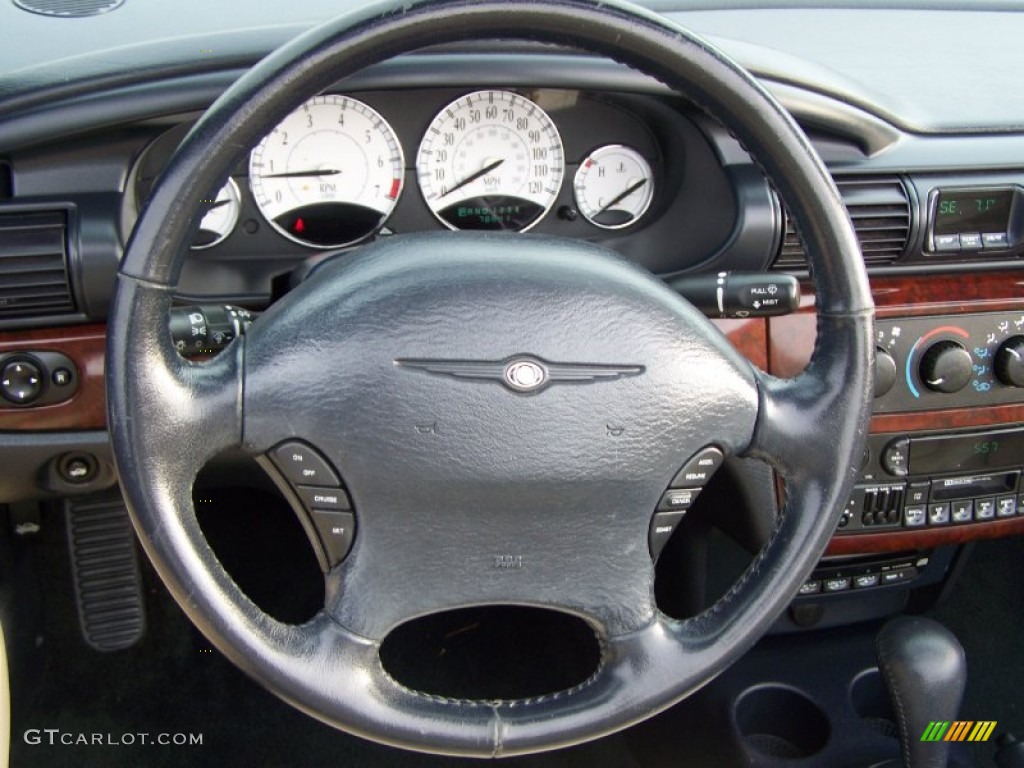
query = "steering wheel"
x=528 y=475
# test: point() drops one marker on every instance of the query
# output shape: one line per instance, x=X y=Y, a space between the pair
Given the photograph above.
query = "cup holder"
x=781 y=723
x=871 y=702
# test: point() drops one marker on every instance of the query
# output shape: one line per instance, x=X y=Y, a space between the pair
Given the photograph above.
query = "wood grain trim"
x=749 y=336
x=87 y=409
x=898 y=541
x=957 y=418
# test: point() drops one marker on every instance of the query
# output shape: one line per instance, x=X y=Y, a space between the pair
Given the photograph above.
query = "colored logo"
x=959 y=730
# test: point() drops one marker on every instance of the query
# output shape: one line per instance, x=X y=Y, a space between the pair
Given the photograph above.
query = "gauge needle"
x=629 y=191
x=218 y=204
x=301 y=174
x=473 y=177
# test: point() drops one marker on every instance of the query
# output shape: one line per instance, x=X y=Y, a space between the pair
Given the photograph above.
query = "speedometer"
x=490 y=160
x=329 y=174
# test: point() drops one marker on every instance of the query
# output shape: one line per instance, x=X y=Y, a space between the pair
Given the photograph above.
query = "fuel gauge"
x=220 y=219
x=614 y=186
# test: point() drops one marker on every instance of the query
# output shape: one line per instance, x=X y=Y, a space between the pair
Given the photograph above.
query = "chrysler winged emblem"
x=522 y=373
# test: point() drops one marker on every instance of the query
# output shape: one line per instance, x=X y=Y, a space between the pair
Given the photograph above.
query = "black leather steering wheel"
x=537 y=476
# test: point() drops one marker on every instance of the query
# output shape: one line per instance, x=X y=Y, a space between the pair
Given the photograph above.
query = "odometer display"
x=329 y=174
x=491 y=160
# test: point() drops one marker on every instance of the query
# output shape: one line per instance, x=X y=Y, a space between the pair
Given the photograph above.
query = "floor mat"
x=985 y=610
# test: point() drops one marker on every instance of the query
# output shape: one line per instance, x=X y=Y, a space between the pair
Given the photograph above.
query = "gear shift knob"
x=924 y=668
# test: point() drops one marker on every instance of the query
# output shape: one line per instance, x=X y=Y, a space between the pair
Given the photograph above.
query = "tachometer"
x=329 y=174
x=490 y=160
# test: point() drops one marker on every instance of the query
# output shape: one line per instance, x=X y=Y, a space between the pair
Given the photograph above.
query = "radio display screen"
x=956 y=453
x=972 y=210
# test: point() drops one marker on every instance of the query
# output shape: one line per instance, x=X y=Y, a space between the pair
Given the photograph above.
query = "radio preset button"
x=914 y=516
x=938 y=514
x=985 y=509
x=1006 y=506
x=963 y=511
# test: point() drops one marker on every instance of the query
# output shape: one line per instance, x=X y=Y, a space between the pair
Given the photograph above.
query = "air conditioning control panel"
x=950 y=362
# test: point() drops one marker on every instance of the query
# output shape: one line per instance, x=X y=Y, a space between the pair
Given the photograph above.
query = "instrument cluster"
x=334 y=171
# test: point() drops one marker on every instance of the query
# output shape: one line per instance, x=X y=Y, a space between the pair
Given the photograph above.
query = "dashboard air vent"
x=880 y=211
x=68 y=8
x=33 y=264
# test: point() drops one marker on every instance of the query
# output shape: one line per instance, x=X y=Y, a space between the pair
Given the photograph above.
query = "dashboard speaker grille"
x=34 y=265
x=879 y=208
x=68 y=8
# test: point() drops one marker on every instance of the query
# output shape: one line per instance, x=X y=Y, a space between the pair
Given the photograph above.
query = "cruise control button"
x=336 y=529
x=985 y=509
x=699 y=469
x=678 y=498
x=1006 y=506
x=662 y=526
x=963 y=511
x=323 y=498
x=303 y=466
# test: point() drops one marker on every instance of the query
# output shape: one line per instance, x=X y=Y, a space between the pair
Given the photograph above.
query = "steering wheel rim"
x=811 y=428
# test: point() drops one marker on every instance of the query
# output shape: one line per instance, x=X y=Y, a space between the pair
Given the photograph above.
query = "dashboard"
x=521 y=138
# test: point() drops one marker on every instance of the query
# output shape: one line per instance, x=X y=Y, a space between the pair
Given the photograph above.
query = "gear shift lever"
x=924 y=668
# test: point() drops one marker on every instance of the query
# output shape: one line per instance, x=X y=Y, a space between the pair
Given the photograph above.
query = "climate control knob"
x=946 y=367
x=1009 y=363
x=885 y=371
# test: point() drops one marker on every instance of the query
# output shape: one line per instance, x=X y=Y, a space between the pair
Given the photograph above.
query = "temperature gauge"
x=614 y=186
x=220 y=219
